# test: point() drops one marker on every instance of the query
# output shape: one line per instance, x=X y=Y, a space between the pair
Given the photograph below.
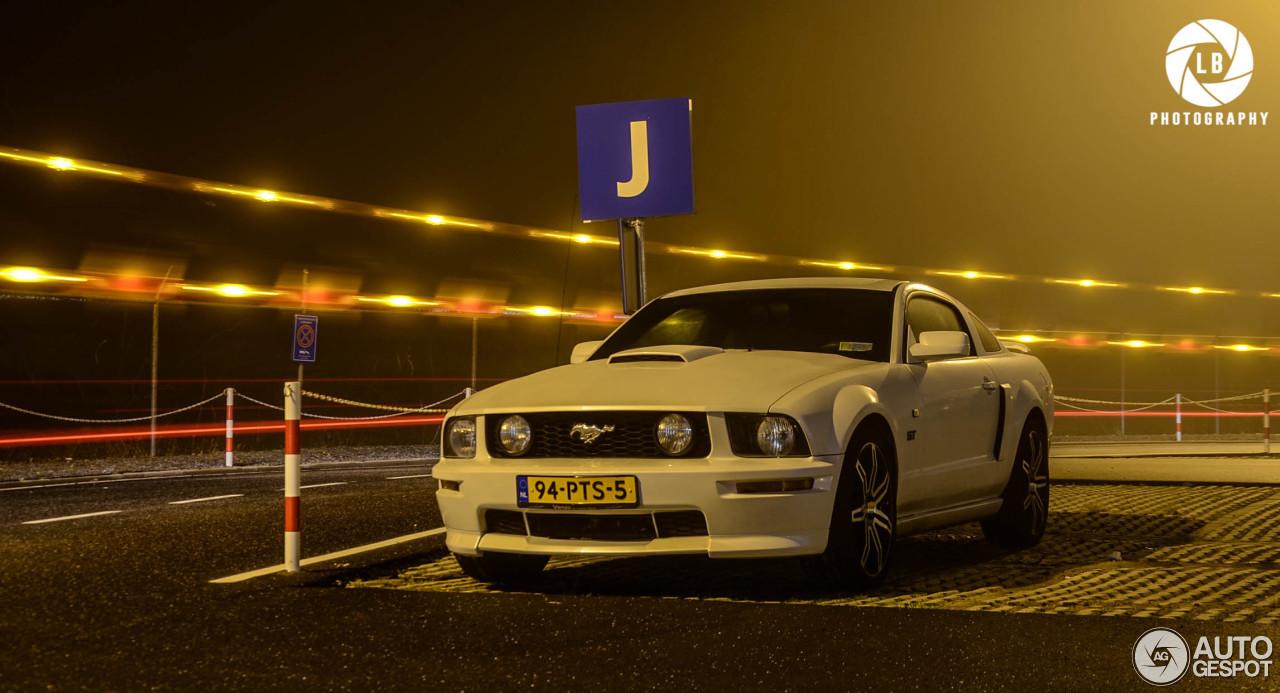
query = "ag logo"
x=1161 y=656
x=1209 y=63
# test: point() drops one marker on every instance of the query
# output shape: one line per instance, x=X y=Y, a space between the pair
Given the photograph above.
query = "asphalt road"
x=123 y=601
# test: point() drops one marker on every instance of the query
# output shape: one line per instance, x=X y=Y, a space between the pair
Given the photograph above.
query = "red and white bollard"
x=231 y=400
x=1178 y=409
x=292 y=476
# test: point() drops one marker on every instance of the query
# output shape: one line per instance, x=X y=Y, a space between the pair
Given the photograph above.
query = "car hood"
x=686 y=378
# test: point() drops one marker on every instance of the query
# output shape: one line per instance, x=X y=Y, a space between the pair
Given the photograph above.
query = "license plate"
x=577 y=491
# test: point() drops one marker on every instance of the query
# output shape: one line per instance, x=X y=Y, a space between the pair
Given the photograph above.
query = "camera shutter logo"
x=1209 y=63
x=1161 y=656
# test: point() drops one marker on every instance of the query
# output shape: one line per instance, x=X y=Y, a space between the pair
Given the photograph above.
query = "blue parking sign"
x=305 y=333
x=635 y=159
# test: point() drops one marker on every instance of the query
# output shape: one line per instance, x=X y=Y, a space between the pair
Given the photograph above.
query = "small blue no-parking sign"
x=304 y=338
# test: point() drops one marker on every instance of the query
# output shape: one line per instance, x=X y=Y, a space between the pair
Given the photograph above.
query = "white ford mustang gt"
x=793 y=417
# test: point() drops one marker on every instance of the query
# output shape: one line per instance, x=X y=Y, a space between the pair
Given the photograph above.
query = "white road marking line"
x=332 y=483
x=411 y=476
x=329 y=556
x=210 y=498
x=28 y=488
x=71 y=517
x=120 y=481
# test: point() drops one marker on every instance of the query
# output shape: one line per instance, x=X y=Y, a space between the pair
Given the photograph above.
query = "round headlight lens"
x=776 y=436
x=515 y=435
x=462 y=437
x=675 y=434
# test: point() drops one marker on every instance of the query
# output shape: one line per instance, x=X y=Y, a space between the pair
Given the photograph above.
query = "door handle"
x=989 y=385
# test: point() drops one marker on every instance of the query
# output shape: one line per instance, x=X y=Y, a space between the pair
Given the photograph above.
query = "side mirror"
x=935 y=346
x=583 y=351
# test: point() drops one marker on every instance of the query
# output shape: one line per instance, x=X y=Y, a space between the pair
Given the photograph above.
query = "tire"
x=508 y=568
x=1024 y=515
x=864 y=517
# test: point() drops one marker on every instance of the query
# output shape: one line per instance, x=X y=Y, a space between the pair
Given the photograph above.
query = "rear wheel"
x=864 y=518
x=1024 y=515
x=501 y=567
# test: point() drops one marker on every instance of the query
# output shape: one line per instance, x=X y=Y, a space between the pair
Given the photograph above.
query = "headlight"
x=776 y=436
x=765 y=435
x=461 y=438
x=675 y=434
x=515 y=435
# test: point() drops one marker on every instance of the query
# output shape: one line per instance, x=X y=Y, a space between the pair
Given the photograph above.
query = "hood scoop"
x=677 y=353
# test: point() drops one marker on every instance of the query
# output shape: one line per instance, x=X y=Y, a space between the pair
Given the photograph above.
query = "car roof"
x=797 y=283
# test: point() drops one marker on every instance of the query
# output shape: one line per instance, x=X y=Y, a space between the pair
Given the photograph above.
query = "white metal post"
x=1178 y=405
x=1266 y=421
x=231 y=401
x=292 y=476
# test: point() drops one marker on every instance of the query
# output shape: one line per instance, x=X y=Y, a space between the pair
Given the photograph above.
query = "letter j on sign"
x=635 y=159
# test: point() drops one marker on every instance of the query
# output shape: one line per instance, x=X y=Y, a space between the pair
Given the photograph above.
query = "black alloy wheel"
x=865 y=517
x=1024 y=515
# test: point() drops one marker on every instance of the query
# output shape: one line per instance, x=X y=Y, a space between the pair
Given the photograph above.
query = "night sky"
x=998 y=136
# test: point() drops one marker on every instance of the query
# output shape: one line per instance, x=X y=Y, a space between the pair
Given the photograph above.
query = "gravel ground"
x=63 y=467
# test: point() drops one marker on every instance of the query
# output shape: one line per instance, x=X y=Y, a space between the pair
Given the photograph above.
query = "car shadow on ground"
x=955 y=559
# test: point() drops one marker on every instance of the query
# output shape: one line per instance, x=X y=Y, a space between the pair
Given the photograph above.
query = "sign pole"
x=304 y=310
x=631 y=258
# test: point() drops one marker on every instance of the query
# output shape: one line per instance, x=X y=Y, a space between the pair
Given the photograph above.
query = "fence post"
x=1266 y=421
x=231 y=400
x=1178 y=415
x=292 y=476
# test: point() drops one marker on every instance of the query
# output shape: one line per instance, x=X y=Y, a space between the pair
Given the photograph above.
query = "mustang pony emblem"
x=588 y=433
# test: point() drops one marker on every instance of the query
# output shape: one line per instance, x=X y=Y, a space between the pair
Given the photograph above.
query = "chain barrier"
x=1237 y=398
x=1063 y=398
x=1153 y=405
x=149 y=417
x=399 y=411
x=241 y=395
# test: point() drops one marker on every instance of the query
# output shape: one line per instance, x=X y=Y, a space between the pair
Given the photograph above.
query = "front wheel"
x=1024 y=515
x=507 y=568
x=864 y=518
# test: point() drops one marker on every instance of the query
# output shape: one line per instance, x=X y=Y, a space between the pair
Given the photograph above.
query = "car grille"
x=628 y=527
x=632 y=434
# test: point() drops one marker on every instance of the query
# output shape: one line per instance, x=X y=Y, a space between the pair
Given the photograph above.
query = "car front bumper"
x=738 y=525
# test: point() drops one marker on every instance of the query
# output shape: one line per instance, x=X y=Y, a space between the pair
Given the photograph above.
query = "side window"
x=989 y=341
x=927 y=314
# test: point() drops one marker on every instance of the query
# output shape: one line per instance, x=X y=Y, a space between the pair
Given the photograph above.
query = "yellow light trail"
x=230 y=290
x=178 y=182
x=1087 y=283
x=398 y=301
x=28 y=275
x=1194 y=290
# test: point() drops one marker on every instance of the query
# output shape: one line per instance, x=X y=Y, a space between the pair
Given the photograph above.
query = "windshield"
x=849 y=322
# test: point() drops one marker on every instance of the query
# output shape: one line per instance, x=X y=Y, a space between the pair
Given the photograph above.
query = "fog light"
x=515 y=435
x=776 y=436
x=447 y=485
x=675 y=434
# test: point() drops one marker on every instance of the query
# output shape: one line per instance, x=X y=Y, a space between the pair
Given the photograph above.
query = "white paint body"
x=947 y=468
